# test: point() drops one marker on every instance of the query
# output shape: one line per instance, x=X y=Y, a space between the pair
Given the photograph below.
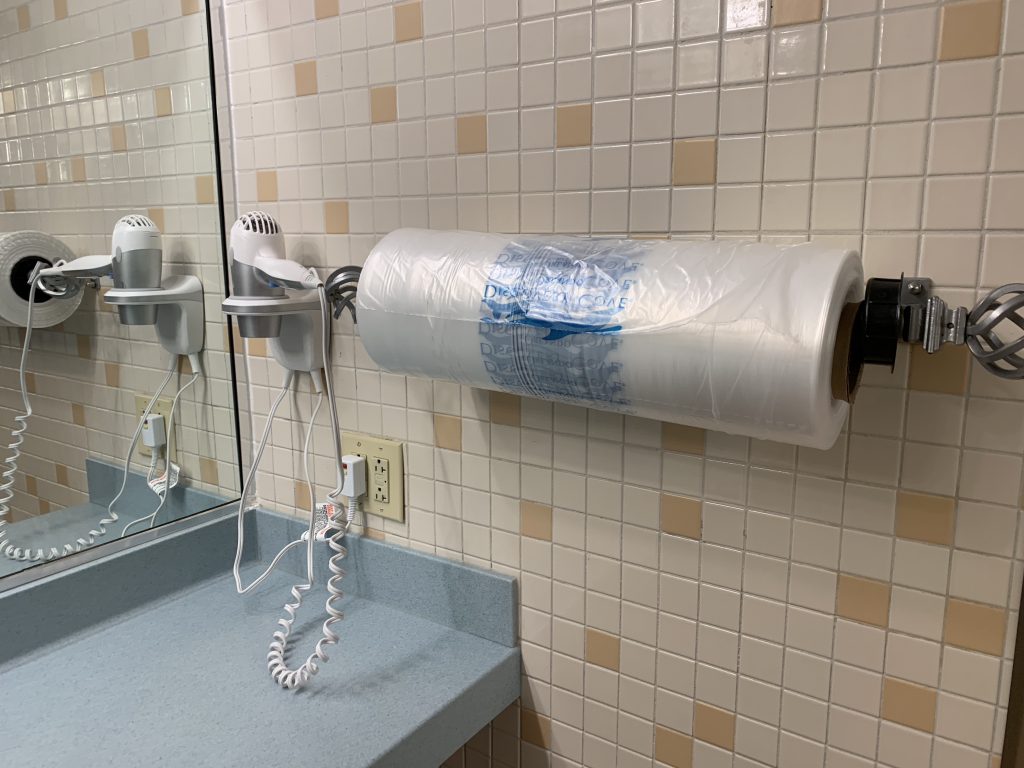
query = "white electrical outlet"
x=162 y=407
x=384 y=473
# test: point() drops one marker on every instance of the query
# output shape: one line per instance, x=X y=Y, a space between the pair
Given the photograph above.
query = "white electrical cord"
x=167 y=460
x=28 y=554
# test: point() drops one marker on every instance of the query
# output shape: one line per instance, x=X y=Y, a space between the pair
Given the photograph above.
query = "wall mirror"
x=106 y=111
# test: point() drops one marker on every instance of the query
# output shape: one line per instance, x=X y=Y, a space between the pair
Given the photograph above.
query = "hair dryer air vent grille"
x=259 y=222
x=136 y=221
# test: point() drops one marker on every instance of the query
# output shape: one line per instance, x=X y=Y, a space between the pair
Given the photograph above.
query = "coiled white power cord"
x=29 y=554
x=277 y=665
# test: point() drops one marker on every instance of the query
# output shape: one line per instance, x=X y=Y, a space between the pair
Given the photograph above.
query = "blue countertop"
x=426 y=658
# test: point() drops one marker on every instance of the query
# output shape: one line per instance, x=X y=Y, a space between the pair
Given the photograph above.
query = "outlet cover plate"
x=378 y=447
x=163 y=407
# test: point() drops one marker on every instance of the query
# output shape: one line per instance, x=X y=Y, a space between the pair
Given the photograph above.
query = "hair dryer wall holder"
x=180 y=316
x=298 y=345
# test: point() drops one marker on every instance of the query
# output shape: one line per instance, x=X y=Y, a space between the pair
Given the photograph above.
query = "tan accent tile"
x=448 y=432
x=694 y=161
x=118 y=138
x=970 y=30
x=923 y=517
x=301 y=490
x=156 y=215
x=188 y=7
x=44 y=507
x=162 y=97
x=795 y=12
x=909 y=704
x=266 y=186
x=863 y=600
x=680 y=516
x=574 y=125
x=944 y=372
x=78 y=169
x=471 y=134
x=60 y=9
x=208 y=471
x=40 y=169
x=672 y=747
x=336 y=217
x=140 y=43
x=24 y=20
x=30 y=379
x=602 y=649
x=84 y=344
x=78 y=414
x=305 y=78
x=408 y=21
x=383 y=104
x=112 y=374
x=9 y=200
x=98 y=82
x=995 y=761
x=205 y=194
x=61 y=473
x=535 y=520
x=535 y=728
x=975 y=626
x=31 y=486
x=373 y=533
x=714 y=725
x=256 y=347
x=324 y=9
x=682 y=439
x=506 y=409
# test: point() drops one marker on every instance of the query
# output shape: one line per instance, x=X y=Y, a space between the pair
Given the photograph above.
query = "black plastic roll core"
x=882 y=324
x=21 y=272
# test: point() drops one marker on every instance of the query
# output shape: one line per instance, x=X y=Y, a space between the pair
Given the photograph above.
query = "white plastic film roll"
x=19 y=252
x=728 y=335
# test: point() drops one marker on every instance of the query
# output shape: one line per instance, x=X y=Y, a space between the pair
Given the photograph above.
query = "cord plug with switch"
x=354 y=485
x=154 y=431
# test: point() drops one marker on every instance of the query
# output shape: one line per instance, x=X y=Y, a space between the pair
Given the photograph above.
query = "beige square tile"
x=574 y=125
x=909 y=704
x=208 y=471
x=408 y=22
x=162 y=97
x=305 y=78
x=786 y=12
x=714 y=725
x=863 y=600
x=970 y=30
x=157 y=217
x=448 y=432
x=112 y=374
x=205 y=194
x=84 y=347
x=24 y=20
x=694 y=162
x=9 y=204
x=118 y=139
x=98 y=82
x=680 y=516
x=61 y=473
x=471 y=134
x=682 y=439
x=60 y=9
x=78 y=414
x=975 y=627
x=944 y=372
x=188 y=7
x=672 y=747
x=324 y=9
x=535 y=728
x=506 y=409
x=923 y=517
x=535 y=520
x=78 y=169
x=266 y=186
x=301 y=493
x=383 y=104
x=602 y=649
x=140 y=43
x=336 y=217
x=40 y=171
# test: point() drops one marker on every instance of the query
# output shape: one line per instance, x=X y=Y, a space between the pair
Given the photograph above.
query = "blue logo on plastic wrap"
x=549 y=318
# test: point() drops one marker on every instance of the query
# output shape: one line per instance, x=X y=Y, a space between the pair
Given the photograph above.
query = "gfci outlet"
x=385 y=473
x=163 y=407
